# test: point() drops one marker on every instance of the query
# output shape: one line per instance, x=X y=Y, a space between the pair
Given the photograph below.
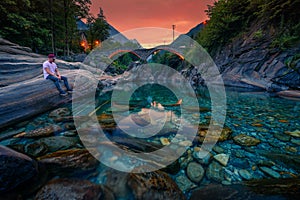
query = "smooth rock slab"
x=15 y=169
x=245 y=140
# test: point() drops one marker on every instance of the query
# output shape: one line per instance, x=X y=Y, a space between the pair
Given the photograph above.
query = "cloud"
x=130 y=14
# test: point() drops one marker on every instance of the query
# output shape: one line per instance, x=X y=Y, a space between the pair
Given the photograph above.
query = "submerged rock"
x=254 y=189
x=59 y=113
x=295 y=133
x=215 y=172
x=184 y=183
x=216 y=192
x=222 y=158
x=56 y=143
x=40 y=132
x=142 y=186
x=282 y=137
x=245 y=140
x=214 y=135
x=74 y=159
x=203 y=157
x=74 y=189
x=270 y=172
x=245 y=174
x=15 y=169
x=195 y=172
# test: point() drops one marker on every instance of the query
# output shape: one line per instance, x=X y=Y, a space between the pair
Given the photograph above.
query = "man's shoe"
x=70 y=91
x=63 y=94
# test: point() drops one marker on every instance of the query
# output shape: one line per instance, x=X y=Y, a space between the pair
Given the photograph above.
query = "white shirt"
x=51 y=66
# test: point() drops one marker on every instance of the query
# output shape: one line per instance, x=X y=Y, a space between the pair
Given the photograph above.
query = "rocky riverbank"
x=250 y=61
x=23 y=91
x=43 y=157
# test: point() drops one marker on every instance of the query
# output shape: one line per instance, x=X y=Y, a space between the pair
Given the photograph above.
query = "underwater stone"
x=195 y=172
x=245 y=140
x=270 y=172
x=222 y=158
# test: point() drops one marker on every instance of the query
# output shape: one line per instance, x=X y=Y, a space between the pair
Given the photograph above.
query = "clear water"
x=256 y=114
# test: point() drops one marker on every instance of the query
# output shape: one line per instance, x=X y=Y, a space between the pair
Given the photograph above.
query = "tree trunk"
x=52 y=26
x=66 y=46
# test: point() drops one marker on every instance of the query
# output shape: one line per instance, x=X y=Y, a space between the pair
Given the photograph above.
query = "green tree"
x=98 y=29
x=43 y=25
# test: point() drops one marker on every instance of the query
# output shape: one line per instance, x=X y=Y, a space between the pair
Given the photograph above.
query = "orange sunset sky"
x=130 y=14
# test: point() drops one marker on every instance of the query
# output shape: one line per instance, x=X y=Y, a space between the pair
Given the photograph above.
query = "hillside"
x=255 y=44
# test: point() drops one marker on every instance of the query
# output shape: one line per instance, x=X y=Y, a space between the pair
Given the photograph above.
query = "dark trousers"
x=56 y=82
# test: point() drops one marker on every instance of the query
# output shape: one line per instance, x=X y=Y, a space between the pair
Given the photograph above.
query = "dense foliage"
x=44 y=25
x=229 y=18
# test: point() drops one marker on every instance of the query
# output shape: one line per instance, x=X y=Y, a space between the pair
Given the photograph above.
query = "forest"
x=231 y=18
x=50 y=25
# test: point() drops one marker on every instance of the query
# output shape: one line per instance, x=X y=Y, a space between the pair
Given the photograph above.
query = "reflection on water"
x=260 y=142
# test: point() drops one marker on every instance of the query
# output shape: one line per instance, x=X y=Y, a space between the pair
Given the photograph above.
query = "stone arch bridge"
x=143 y=54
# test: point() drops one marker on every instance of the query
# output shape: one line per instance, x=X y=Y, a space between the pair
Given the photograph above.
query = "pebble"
x=239 y=153
x=215 y=172
x=295 y=133
x=295 y=141
x=185 y=143
x=203 y=157
x=218 y=149
x=245 y=174
x=291 y=149
x=282 y=137
x=245 y=140
x=195 y=172
x=240 y=163
x=164 y=141
x=222 y=159
x=184 y=183
x=270 y=172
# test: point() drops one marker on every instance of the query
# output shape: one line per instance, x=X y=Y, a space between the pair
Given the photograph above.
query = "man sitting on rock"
x=51 y=72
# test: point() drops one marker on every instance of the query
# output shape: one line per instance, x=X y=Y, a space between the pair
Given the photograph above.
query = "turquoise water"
x=261 y=115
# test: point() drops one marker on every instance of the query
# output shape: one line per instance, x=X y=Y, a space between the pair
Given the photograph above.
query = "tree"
x=42 y=25
x=98 y=29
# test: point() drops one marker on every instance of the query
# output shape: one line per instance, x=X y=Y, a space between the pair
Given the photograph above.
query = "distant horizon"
x=127 y=15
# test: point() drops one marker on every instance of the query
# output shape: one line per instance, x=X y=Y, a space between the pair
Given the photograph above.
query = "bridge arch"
x=169 y=50
x=121 y=51
x=145 y=53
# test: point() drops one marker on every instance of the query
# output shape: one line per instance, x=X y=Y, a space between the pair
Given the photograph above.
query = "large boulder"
x=152 y=185
x=74 y=189
x=15 y=169
x=23 y=91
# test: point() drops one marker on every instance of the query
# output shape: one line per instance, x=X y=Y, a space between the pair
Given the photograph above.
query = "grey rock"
x=15 y=169
x=295 y=141
x=74 y=189
x=222 y=159
x=270 y=172
x=245 y=174
x=195 y=172
x=282 y=137
x=184 y=183
x=203 y=160
x=215 y=172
